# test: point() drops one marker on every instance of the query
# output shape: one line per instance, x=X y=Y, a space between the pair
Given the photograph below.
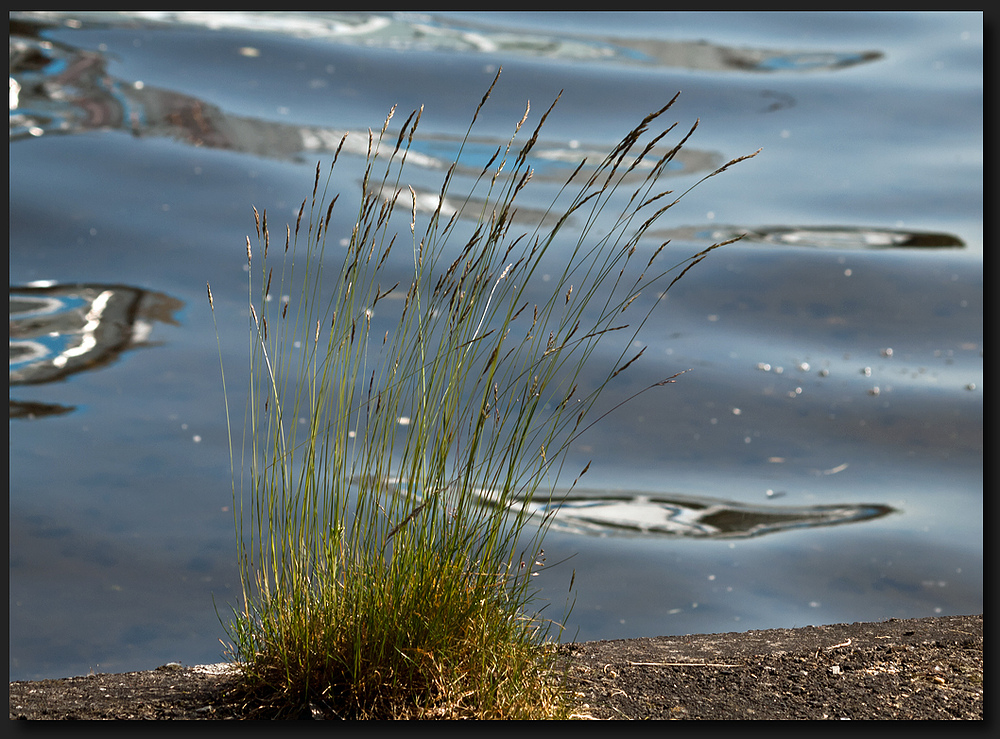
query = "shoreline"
x=927 y=668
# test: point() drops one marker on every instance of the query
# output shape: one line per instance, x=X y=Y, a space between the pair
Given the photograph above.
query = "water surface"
x=822 y=460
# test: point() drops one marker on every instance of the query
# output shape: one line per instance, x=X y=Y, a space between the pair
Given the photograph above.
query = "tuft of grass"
x=385 y=541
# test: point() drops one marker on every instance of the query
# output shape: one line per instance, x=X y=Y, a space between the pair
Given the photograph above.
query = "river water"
x=822 y=460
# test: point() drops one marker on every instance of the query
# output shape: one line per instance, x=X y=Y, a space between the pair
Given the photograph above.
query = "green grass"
x=385 y=544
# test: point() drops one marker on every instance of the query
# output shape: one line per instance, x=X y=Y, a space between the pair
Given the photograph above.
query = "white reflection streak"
x=87 y=339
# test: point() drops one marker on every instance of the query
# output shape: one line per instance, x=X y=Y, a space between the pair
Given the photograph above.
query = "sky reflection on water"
x=835 y=354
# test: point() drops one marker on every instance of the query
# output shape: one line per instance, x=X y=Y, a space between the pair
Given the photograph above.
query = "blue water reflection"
x=835 y=354
x=58 y=330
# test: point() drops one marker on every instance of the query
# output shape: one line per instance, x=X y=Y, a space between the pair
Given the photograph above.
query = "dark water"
x=821 y=462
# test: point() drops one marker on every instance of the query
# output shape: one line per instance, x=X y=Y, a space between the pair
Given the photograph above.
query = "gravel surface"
x=930 y=668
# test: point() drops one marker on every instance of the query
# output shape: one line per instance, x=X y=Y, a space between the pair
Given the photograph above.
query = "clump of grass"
x=385 y=543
